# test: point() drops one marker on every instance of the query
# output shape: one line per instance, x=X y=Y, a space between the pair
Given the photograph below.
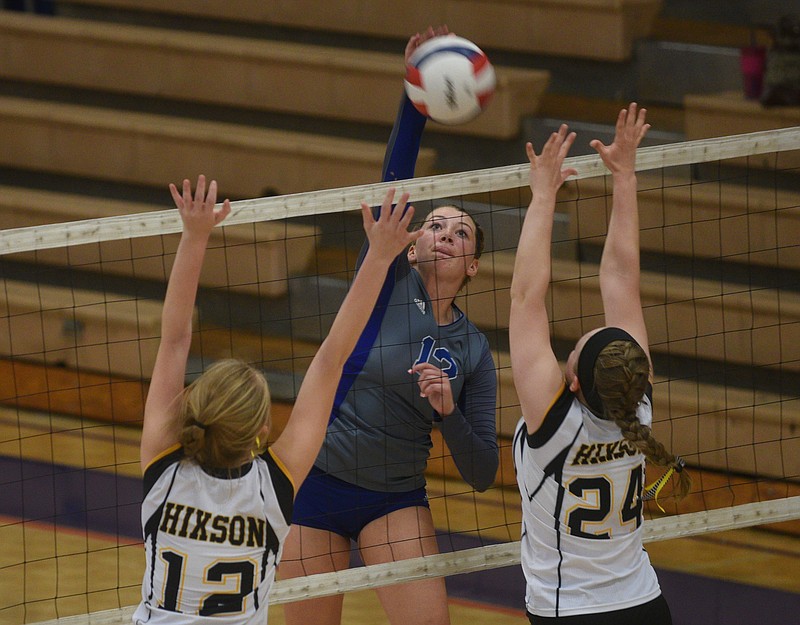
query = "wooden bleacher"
x=729 y=113
x=273 y=353
x=143 y=148
x=87 y=331
x=688 y=317
x=254 y=258
x=711 y=425
x=701 y=219
x=593 y=29
x=46 y=434
x=300 y=79
x=721 y=428
x=32 y=385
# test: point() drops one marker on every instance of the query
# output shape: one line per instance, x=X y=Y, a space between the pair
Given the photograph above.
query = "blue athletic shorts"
x=327 y=503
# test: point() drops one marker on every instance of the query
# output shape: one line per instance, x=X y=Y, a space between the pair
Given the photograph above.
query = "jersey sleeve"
x=404 y=142
x=400 y=160
x=471 y=430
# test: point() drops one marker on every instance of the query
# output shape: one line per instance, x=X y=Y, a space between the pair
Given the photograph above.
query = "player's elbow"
x=331 y=356
x=525 y=294
x=524 y=308
x=518 y=291
x=484 y=477
x=176 y=340
x=482 y=485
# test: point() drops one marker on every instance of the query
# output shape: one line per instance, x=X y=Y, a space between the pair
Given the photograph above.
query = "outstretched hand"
x=199 y=213
x=631 y=129
x=388 y=234
x=417 y=39
x=547 y=175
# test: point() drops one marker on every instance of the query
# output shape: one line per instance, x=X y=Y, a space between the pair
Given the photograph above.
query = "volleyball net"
x=80 y=317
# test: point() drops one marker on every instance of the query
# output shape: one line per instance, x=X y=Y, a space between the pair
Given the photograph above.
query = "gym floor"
x=745 y=576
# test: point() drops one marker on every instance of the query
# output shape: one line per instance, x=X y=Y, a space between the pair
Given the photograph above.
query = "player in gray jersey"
x=419 y=363
x=217 y=503
x=580 y=447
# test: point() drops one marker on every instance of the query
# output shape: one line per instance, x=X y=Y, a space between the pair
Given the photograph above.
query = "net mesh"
x=80 y=318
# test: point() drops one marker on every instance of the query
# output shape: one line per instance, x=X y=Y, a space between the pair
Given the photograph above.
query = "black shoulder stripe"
x=284 y=488
x=158 y=466
x=553 y=420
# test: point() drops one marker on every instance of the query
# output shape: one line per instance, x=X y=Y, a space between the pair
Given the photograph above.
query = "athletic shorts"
x=655 y=612
x=328 y=503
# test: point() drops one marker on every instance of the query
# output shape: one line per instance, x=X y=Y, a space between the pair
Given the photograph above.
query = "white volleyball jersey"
x=212 y=540
x=581 y=487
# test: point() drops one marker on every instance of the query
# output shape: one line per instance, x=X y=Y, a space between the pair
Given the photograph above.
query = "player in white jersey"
x=217 y=503
x=580 y=447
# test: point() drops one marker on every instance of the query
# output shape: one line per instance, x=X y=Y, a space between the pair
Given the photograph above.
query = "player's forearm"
x=470 y=431
x=176 y=320
x=400 y=159
x=531 y=276
x=621 y=250
x=475 y=453
x=404 y=143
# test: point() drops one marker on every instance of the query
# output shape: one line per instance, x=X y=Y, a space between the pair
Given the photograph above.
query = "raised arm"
x=619 y=265
x=402 y=149
x=199 y=215
x=301 y=439
x=404 y=142
x=537 y=375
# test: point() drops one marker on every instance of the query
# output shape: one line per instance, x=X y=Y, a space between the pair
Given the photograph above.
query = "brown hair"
x=621 y=375
x=480 y=235
x=222 y=413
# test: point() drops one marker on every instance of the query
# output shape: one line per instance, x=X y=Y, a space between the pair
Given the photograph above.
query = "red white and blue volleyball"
x=450 y=80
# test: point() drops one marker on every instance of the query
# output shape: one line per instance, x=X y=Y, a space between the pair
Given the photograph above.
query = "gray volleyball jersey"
x=379 y=435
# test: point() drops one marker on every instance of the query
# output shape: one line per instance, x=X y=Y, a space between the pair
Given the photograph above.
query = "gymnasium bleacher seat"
x=679 y=216
x=145 y=148
x=685 y=315
x=596 y=29
x=258 y=259
x=296 y=78
x=105 y=333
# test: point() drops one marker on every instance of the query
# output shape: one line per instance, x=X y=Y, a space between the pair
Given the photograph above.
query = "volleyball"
x=449 y=79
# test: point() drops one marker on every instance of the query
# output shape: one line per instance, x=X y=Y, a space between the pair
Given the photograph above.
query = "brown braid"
x=621 y=374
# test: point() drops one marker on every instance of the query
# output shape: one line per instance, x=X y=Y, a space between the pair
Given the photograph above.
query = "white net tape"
x=479 y=558
x=420 y=189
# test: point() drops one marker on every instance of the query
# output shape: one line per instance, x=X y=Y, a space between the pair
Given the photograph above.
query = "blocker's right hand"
x=546 y=173
x=199 y=213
